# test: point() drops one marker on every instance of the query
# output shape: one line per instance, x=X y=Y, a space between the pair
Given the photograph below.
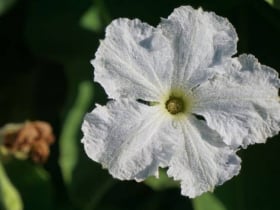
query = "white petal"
x=130 y=139
x=200 y=40
x=202 y=160
x=134 y=60
x=242 y=104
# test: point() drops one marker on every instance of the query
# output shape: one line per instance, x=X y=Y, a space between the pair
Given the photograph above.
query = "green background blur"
x=45 y=49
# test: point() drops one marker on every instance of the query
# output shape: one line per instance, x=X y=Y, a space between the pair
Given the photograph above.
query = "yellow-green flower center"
x=175 y=105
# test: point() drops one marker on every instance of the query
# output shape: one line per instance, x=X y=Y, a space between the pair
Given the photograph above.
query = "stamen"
x=175 y=105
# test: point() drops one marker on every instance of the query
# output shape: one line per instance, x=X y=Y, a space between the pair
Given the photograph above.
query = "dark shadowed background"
x=45 y=49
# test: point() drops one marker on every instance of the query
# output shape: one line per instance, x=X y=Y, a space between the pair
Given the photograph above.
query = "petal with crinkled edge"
x=202 y=160
x=130 y=139
x=133 y=60
x=241 y=104
x=199 y=40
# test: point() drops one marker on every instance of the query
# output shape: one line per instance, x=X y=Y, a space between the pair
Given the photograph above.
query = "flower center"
x=175 y=105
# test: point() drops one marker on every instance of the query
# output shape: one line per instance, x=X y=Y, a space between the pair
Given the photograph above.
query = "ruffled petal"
x=202 y=160
x=130 y=139
x=133 y=61
x=199 y=40
x=242 y=102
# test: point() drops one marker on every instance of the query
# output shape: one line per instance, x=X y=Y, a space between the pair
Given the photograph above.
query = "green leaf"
x=274 y=3
x=69 y=139
x=33 y=183
x=270 y=1
x=161 y=183
x=5 y=5
x=9 y=196
x=91 y=19
x=53 y=30
x=207 y=201
x=86 y=181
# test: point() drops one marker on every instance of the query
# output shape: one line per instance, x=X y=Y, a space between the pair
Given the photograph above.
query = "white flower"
x=179 y=100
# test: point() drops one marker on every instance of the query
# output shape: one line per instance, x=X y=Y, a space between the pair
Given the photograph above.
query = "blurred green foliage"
x=274 y=3
x=9 y=197
x=33 y=183
x=46 y=46
x=208 y=201
x=5 y=5
x=161 y=183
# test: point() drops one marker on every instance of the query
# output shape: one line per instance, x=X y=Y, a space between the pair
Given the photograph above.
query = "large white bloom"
x=179 y=100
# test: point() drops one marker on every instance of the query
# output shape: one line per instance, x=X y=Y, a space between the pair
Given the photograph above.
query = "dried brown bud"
x=45 y=131
x=40 y=151
x=30 y=139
